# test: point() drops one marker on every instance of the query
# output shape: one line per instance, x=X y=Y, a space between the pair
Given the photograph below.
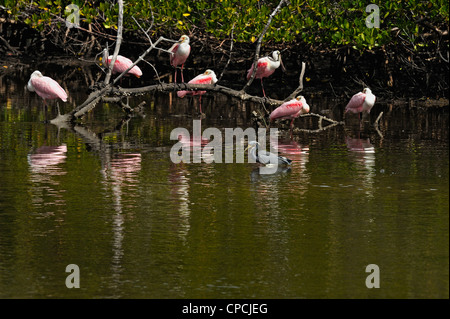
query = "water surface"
x=104 y=195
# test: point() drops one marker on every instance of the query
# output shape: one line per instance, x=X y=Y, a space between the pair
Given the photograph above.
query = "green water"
x=107 y=198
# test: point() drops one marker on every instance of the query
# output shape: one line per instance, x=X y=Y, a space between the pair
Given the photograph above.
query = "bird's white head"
x=367 y=91
x=184 y=39
x=305 y=106
x=213 y=75
x=35 y=74
x=277 y=58
x=276 y=55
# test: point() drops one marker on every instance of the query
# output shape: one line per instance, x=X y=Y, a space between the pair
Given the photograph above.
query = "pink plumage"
x=209 y=77
x=180 y=51
x=362 y=101
x=262 y=69
x=122 y=64
x=46 y=87
x=265 y=67
x=290 y=109
x=179 y=54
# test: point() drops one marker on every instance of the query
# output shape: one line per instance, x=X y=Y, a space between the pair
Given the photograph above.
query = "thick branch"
x=171 y=87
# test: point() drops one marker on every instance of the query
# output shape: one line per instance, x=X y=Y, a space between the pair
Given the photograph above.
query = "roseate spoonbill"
x=264 y=157
x=361 y=102
x=290 y=109
x=46 y=88
x=209 y=77
x=266 y=66
x=179 y=53
x=122 y=64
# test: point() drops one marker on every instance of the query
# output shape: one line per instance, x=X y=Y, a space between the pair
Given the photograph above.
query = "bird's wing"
x=260 y=67
x=356 y=101
x=265 y=157
x=173 y=49
x=287 y=109
x=284 y=160
x=201 y=79
x=49 y=87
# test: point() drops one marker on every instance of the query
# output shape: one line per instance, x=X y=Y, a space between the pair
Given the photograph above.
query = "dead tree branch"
x=300 y=85
x=118 y=43
x=259 y=42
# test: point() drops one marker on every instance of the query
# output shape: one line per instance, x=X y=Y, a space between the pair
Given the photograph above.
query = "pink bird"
x=179 y=54
x=290 y=110
x=209 y=77
x=46 y=87
x=265 y=67
x=122 y=64
x=361 y=102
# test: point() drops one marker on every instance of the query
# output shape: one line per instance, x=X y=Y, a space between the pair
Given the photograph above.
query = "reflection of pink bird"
x=179 y=53
x=361 y=102
x=47 y=157
x=290 y=109
x=46 y=87
x=265 y=67
x=288 y=146
x=122 y=64
x=194 y=141
x=209 y=77
x=359 y=145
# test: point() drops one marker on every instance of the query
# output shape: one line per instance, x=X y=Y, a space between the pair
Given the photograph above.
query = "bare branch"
x=229 y=57
x=118 y=42
x=259 y=42
x=300 y=86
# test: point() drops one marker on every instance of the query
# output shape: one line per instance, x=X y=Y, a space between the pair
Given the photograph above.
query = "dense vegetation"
x=332 y=23
x=412 y=34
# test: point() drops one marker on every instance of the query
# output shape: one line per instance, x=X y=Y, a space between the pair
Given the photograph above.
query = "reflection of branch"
x=258 y=44
x=376 y=124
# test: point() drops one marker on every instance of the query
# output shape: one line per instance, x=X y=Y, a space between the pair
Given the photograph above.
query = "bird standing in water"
x=209 y=77
x=179 y=54
x=265 y=157
x=46 y=88
x=361 y=102
x=266 y=66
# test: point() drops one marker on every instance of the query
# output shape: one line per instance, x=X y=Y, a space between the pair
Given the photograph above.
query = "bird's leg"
x=292 y=127
x=175 y=75
x=200 y=103
x=57 y=108
x=263 y=87
x=182 y=79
